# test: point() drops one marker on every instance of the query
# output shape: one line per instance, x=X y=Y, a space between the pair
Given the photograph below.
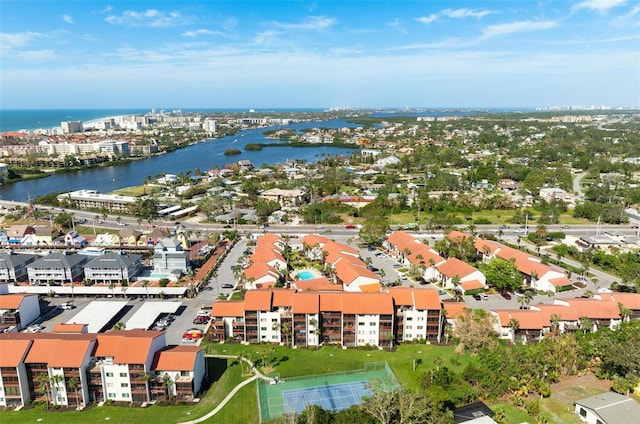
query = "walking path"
x=252 y=367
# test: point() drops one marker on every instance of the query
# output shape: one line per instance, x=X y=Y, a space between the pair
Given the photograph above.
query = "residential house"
x=521 y=324
x=13 y=266
x=72 y=238
x=19 y=310
x=286 y=198
x=458 y=275
x=129 y=236
x=169 y=259
x=106 y=239
x=44 y=234
x=16 y=233
x=113 y=268
x=607 y=408
x=56 y=268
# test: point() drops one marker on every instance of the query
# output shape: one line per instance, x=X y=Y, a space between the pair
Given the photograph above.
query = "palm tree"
x=44 y=386
x=147 y=377
x=145 y=284
x=119 y=326
x=167 y=382
x=73 y=383
x=112 y=287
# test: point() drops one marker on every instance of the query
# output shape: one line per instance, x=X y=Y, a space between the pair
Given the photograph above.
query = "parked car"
x=441 y=292
x=67 y=306
x=192 y=333
x=402 y=276
x=227 y=286
x=477 y=297
x=201 y=319
x=35 y=328
x=506 y=295
x=373 y=268
x=397 y=266
x=350 y=227
x=483 y=296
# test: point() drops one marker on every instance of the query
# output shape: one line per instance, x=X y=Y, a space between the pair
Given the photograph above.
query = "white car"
x=67 y=306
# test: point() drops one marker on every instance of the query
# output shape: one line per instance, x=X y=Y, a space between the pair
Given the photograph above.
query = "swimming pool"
x=306 y=275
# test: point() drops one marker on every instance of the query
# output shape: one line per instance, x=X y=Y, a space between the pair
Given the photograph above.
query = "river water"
x=204 y=156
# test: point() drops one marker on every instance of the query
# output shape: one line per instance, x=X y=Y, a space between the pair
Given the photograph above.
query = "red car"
x=201 y=319
x=350 y=227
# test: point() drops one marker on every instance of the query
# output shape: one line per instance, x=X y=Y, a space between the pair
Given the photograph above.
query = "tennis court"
x=332 y=392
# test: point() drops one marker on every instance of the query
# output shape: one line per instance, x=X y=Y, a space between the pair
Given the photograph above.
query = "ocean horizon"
x=33 y=119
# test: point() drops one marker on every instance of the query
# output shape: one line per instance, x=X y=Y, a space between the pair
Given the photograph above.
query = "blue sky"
x=278 y=54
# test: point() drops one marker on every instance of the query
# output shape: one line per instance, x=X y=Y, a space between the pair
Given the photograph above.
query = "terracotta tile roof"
x=402 y=241
x=12 y=301
x=306 y=303
x=269 y=238
x=266 y=254
x=126 y=346
x=402 y=296
x=258 y=270
x=629 y=300
x=594 y=308
x=471 y=285
x=225 y=308
x=560 y=282
x=40 y=351
x=564 y=312
x=69 y=328
x=527 y=319
x=454 y=266
x=457 y=236
x=282 y=297
x=367 y=303
x=370 y=288
x=420 y=298
x=257 y=300
x=313 y=239
x=13 y=352
x=176 y=358
x=313 y=284
x=480 y=244
x=330 y=287
x=454 y=309
x=348 y=272
x=426 y=299
x=70 y=353
x=266 y=285
x=331 y=302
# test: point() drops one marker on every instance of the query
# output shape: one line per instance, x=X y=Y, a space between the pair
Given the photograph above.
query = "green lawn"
x=241 y=409
x=304 y=362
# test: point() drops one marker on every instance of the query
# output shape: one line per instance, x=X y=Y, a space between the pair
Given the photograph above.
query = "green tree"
x=502 y=274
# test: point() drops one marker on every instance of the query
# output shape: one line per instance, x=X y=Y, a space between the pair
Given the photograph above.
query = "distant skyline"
x=309 y=54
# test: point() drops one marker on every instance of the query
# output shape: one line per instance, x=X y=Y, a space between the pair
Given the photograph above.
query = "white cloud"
x=599 y=5
x=515 y=27
x=198 y=32
x=36 y=55
x=427 y=19
x=312 y=23
x=67 y=18
x=149 y=18
x=17 y=39
x=465 y=13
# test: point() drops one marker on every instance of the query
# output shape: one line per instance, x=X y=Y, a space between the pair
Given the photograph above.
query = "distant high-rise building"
x=210 y=125
x=70 y=127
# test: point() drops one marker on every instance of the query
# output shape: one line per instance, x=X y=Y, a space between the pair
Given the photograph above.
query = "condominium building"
x=313 y=318
x=76 y=369
x=92 y=199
